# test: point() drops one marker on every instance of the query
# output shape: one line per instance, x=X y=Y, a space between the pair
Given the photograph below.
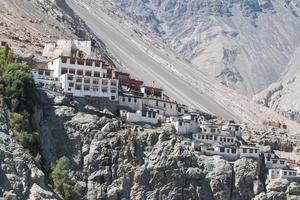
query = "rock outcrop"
x=20 y=177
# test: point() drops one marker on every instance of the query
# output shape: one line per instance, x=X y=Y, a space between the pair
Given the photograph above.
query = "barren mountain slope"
x=149 y=59
x=284 y=95
x=244 y=44
x=28 y=24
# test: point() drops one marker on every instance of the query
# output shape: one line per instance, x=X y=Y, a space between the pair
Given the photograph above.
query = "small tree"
x=62 y=181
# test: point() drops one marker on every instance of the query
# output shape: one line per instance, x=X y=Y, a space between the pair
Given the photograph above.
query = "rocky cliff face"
x=113 y=162
x=245 y=44
x=20 y=176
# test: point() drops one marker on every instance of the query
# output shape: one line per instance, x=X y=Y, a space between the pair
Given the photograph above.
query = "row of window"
x=250 y=151
x=275 y=161
x=88 y=81
x=80 y=72
x=164 y=104
x=88 y=88
x=82 y=62
x=210 y=137
x=129 y=99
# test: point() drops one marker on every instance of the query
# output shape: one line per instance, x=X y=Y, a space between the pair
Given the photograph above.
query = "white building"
x=147 y=117
x=282 y=174
x=43 y=77
x=83 y=77
x=163 y=106
x=74 y=48
x=213 y=138
x=135 y=103
x=235 y=129
x=249 y=152
x=272 y=162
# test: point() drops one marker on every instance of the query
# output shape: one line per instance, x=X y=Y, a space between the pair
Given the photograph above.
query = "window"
x=86 y=88
x=88 y=73
x=228 y=139
x=290 y=173
x=202 y=136
x=47 y=73
x=64 y=70
x=129 y=99
x=164 y=105
x=41 y=72
x=64 y=60
x=206 y=137
x=222 y=149
x=113 y=83
x=123 y=99
x=95 y=88
x=104 y=82
x=251 y=150
x=70 y=77
x=156 y=103
x=180 y=123
x=281 y=162
x=79 y=72
x=231 y=140
x=233 y=150
x=274 y=161
x=89 y=62
x=228 y=151
x=72 y=61
x=97 y=74
x=113 y=97
x=95 y=81
x=78 y=87
x=285 y=173
x=215 y=137
x=134 y=100
x=210 y=137
x=294 y=173
x=104 y=75
x=213 y=130
x=71 y=84
x=113 y=91
x=255 y=150
x=97 y=64
x=171 y=106
x=78 y=80
x=104 y=90
x=71 y=71
x=244 y=150
x=268 y=158
x=220 y=139
x=80 y=62
x=87 y=80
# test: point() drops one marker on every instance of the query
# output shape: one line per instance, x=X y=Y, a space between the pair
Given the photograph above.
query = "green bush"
x=62 y=181
x=19 y=122
x=29 y=141
x=16 y=83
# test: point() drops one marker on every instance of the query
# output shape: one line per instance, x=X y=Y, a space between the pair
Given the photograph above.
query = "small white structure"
x=282 y=174
x=209 y=138
x=272 y=162
x=249 y=152
x=163 y=106
x=43 y=77
x=234 y=129
x=147 y=117
x=135 y=103
x=74 y=48
x=185 y=126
